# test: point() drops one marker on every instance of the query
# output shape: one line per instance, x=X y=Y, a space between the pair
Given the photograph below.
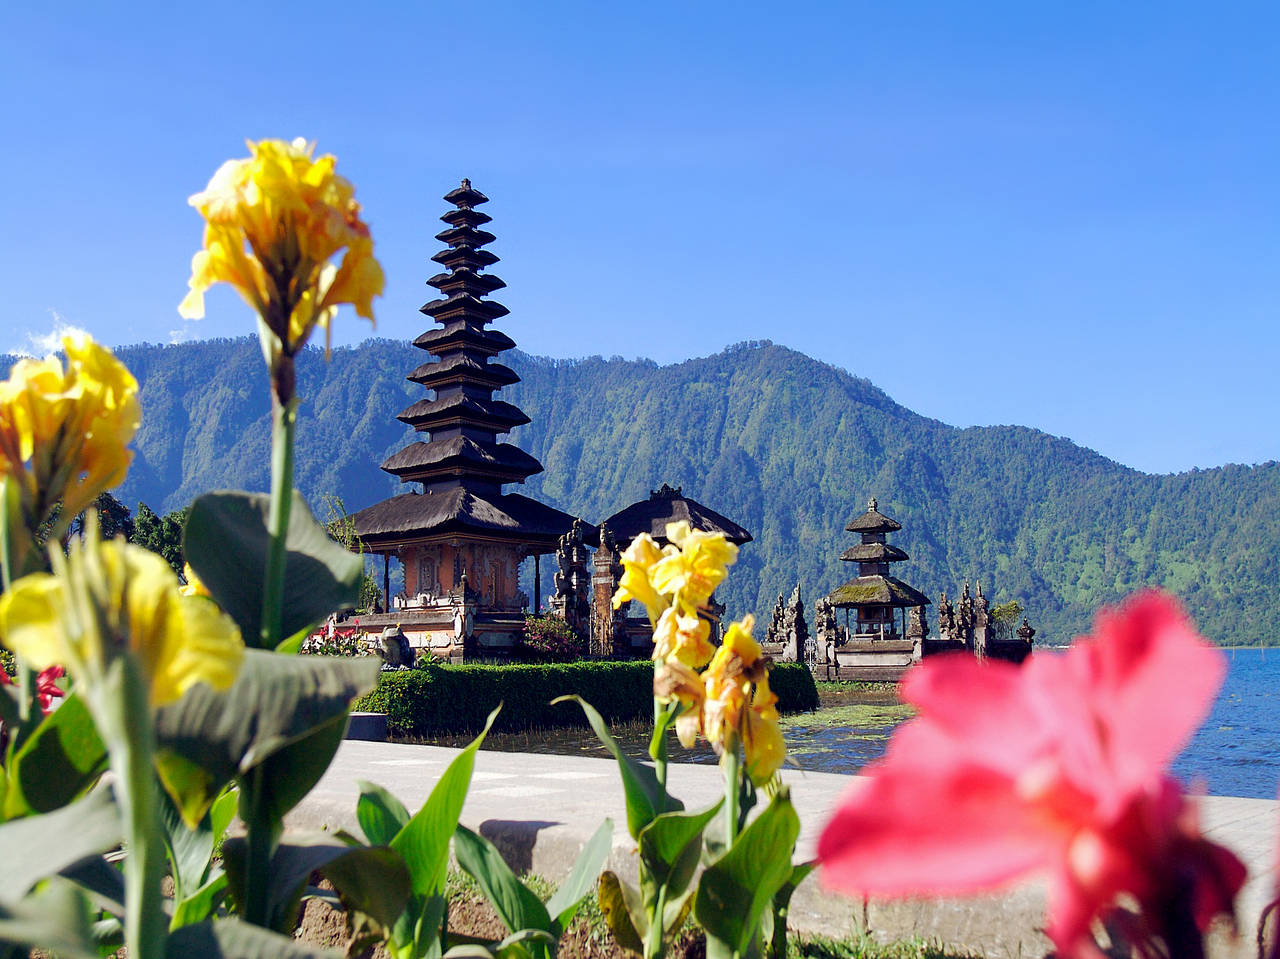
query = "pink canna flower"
x=1056 y=767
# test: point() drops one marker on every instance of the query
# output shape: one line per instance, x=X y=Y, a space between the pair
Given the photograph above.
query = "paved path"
x=541 y=809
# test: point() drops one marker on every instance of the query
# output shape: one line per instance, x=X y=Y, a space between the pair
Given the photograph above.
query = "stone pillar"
x=917 y=632
x=606 y=571
x=981 y=624
x=796 y=630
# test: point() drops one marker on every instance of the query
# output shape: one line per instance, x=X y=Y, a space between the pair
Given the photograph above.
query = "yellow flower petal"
x=274 y=222
x=638 y=559
x=683 y=638
x=111 y=599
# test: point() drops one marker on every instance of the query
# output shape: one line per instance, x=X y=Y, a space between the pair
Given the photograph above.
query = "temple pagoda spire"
x=461 y=539
x=463 y=420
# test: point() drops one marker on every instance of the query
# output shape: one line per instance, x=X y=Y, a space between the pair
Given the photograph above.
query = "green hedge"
x=456 y=699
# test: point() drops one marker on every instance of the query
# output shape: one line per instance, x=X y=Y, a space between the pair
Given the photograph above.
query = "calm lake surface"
x=1235 y=753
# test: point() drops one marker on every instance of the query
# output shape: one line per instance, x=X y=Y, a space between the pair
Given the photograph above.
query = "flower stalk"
x=283 y=423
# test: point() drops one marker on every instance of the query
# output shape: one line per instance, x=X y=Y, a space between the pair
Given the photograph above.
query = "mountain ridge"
x=788 y=446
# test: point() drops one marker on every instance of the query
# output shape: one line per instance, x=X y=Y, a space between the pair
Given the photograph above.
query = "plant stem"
x=284 y=417
x=132 y=744
x=732 y=765
x=658 y=751
x=654 y=940
x=258 y=840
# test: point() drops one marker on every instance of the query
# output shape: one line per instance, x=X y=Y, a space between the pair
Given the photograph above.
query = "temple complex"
x=886 y=625
x=459 y=538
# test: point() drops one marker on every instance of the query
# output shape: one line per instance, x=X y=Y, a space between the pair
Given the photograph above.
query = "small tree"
x=161 y=534
x=1005 y=617
x=342 y=530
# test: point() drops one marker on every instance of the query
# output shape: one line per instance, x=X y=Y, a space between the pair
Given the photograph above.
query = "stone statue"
x=946 y=618
x=396 y=652
x=774 y=633
x=828 y=632
x=572 y=601
x=1026 y=632
x=795 y=631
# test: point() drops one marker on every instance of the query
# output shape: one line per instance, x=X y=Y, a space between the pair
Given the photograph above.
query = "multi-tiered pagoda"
x=459 y=537
x=875 y=596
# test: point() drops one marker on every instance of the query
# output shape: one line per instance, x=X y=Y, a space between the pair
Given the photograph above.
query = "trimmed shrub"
x=442 y=698
x=793 y=684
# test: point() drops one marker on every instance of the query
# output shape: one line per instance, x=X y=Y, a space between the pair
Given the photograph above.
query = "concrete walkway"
x=540 y=810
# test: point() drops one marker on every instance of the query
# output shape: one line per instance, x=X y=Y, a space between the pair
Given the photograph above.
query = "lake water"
x=1235 y=753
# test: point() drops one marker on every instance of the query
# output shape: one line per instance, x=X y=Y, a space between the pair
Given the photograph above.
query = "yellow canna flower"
x=739 y=706
x=691 y=572
x=673 y=681
x=683 y=638
x=64 y=431
x=273 y=224
x=106 y=599
x=637 y=561
x=193 y=586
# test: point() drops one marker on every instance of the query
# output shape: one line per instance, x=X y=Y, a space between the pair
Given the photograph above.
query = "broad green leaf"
x=371 y=880
x=190 y=849
x=200 y=905
x=624 y=912
x=512 y=900
x=776 y=916
x=226 y=539
x=41 y=846
x=424 y=840
x=564 y=902
x=232 y=939
x=57 y=920
x=526 y=943
x=380 y=814
x=670 y=846
x=61 y=759
x=208 y=738
x=103 y=881
x=737 y=888
x=644 y=795
x=290 y=773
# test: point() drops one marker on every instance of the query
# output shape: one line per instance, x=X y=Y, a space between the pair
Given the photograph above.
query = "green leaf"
x=190 y=849
x=640 y=786
x=526 y=943
x=624 y=912
x=424 y=840
x=564 y=902
x=208 y=738
x=290 y=773
x=226 y=540
x=515 y=904
x=781 y=907
x=56 y=920
x=737 y=888
x=372 y=881
x=61 y=759
x=232 y=939
x=103 y=881
x=380 y=814
x=670 y=847
x=41 y=846
x=201 y=904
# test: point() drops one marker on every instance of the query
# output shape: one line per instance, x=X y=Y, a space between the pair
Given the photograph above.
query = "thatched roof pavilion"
x=874 y=595
x=665 y=505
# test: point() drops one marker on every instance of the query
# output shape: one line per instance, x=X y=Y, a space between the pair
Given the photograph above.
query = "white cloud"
x=34 y=344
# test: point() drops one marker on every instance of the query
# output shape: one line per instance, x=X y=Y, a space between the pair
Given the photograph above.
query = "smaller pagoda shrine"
x=613 y=633
x=460 y=538
x=874 y=596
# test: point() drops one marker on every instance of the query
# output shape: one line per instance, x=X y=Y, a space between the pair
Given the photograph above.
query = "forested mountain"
x=787 y=446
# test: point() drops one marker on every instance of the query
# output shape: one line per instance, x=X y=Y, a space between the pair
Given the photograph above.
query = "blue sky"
x=1059 y=215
